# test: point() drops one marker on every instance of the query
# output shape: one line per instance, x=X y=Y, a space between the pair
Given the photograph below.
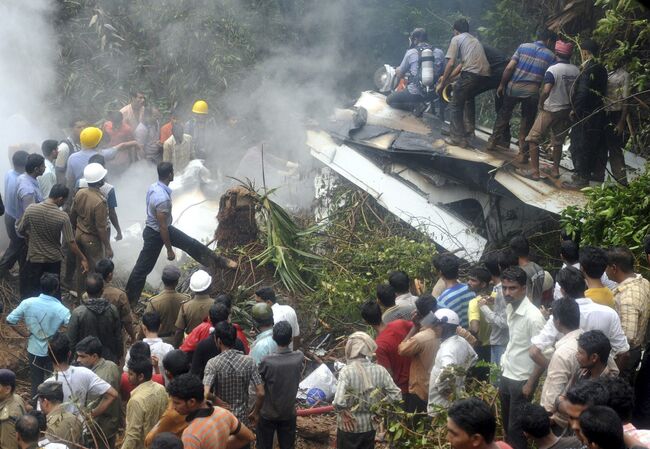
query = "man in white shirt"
x=48 y=178
x=159 y=349
x=281 y=312
x=520 y=373
x=401 y=283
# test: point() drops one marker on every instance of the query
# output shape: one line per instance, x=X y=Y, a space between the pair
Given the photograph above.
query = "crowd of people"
x=555 y=96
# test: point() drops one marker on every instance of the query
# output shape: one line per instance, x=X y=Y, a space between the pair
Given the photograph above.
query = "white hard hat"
x=94 y=173
x=447 y=316
x=200 y=281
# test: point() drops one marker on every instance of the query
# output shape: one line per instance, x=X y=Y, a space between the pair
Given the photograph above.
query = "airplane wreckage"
x=464 y=199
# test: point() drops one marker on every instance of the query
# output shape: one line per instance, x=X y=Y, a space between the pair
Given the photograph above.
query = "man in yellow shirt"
x=593 y=262
x=478 y=281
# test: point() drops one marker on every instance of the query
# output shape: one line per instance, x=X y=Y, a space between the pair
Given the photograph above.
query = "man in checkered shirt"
x=229 y=374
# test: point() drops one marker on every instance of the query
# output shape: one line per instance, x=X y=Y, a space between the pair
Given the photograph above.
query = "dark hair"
x=166 y=440
x=141 y=366
x=177 y=128
x=570 y=252
x=105 y=267
x=514 y=274
x=481 y=273
x=58 y=348
x=116 y=117
x=140 y=350
x=164 y=170
x=371 y=312
x=602 y=426
x=176 y=362
x=19 y=159
x=400 y=281
x=519 y=245
x=28 y=428
x=94 y=284
x=134 y=92
x=73 y=122
x=567 y=312
x=461 y=25
x=49 y=283
x=587 y=392
x=226 y=332
x=492 y=263
x=595 y=342
x=48 y=146
x=33 y=162
x=225 y=299
x=40 y=417
x=151 y=320
x=572 y=282
x=474 y=416
x=419 y=34
x=544 y=34
x=425 y=304
x=507 y=259
x=447 y=265
x=593 y=261
x=90 y=345
x=218 y=312
x=386 y=295
x=59 y=191
x=622 y=258
x=591 y=46
x=621 y=396
x=534 y=420
x=267 y=294
x=97 y=159
x=282 y=333
x=185 y=387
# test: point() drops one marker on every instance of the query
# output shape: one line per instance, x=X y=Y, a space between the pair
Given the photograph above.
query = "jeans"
x=465 y=89
x=151 y=250
x=511 y=401
x=40 y=368
x=17 y=250
x=352 y=440
x=30 y=277
x=404 y=100
x=285 y=429
x=496 y=351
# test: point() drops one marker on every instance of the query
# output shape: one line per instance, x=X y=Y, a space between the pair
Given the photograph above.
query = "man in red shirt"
x=389 y=336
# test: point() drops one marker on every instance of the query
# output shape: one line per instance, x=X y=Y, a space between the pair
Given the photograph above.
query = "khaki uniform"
x=109 y=422
x=167 y=304
x=11 y=409
x=118 y=298
x=193 y=312
x=63 y=426
x=147 y=404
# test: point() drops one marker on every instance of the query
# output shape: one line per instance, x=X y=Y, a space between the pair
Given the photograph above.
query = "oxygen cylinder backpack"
x=425 y=66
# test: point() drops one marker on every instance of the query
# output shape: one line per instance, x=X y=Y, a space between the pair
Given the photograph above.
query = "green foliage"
x=508 y=24
x=613 y=215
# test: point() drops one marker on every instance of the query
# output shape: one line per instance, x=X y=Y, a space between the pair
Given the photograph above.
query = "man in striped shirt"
x=520 y=83
x=456 y=295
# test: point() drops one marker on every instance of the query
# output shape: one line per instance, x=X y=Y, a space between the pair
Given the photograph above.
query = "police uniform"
x=11 y=409
x=63 y=426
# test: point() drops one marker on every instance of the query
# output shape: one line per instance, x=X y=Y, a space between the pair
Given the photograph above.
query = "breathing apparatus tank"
x=426 y=66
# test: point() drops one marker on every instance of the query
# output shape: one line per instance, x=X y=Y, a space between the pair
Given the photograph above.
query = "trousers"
x=587 y=144
x=511 y=400
x=286 y=431
x=40 y=368
x=465 y=89
x=404 y=100
x=614 y=144
x=151 y=248
x=91 y=247
x=501 y=133
x=30 y=277
x=352 y=440
x=17 y=249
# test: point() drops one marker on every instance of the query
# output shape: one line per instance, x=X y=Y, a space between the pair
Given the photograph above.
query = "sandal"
x=529 y=174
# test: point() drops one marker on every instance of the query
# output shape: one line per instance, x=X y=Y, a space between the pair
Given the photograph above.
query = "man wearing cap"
x=62 y=426
x=264 y=344
x=12 y=407
x=194 y=311
x=159 y=233
x=553 y=111
x=168 y=303
x=43 y=316
x=89 y=215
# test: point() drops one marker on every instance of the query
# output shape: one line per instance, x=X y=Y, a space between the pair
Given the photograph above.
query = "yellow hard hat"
x=200 y=107
x=448 y=92
x=90 y=137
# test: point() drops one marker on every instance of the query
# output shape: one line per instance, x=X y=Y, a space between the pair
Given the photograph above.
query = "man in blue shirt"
x=263 y=345
x=16 y=251
x=43 y=315
x=159 y=232
x=456 y=295
x=27 y=189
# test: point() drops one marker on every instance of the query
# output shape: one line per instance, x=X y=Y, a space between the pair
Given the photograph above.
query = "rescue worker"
x=466 y=50
x=62 y=426
x=414 y=94
x=132 y=113
x=199 y=127
x=159 y=232
x=67 y=147
x=12 y=407
x=89 y=217
x=587 y=137
x=168 y=303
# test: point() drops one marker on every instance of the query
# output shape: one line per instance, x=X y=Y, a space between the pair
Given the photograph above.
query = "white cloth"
x=453 y=351
x=607 y=282
x=561 y=368
x=80 y=387
x=523 y=323
x=593 y=316
x=158 y=348
x=565 y=75
x=618 y=88
x=405 y=299
x=283 y=312
x=47 y=179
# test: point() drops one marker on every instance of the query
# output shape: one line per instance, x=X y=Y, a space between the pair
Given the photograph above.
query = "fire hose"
x=315 y=410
